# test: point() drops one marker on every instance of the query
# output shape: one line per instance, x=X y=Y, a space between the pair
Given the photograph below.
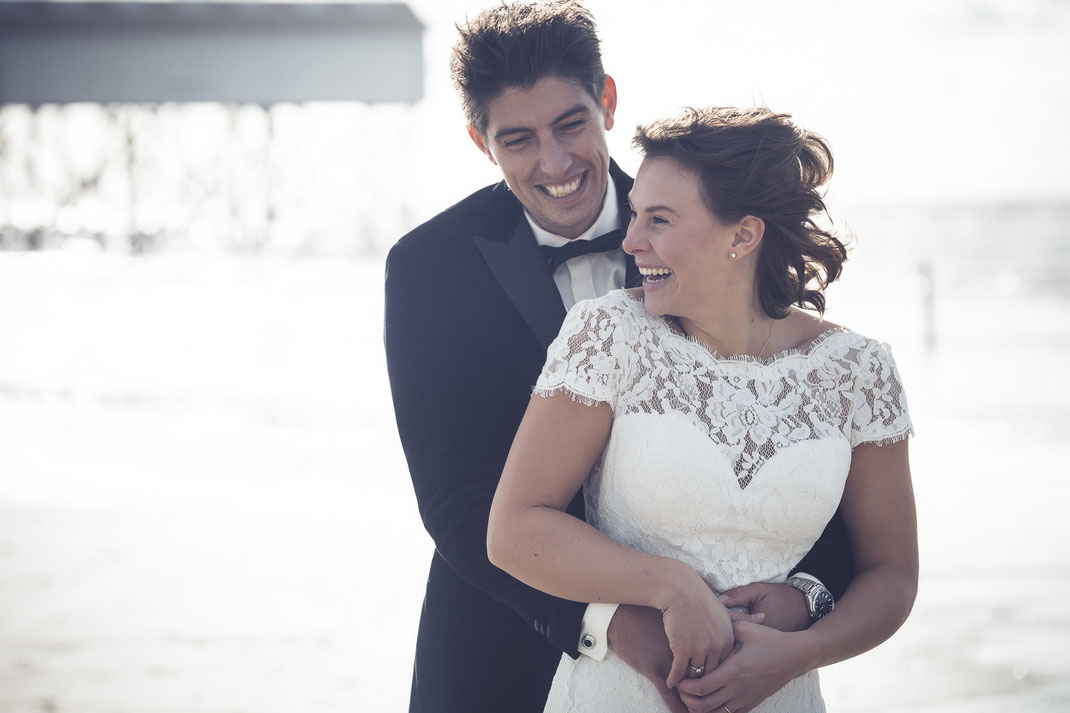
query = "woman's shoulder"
x=800 y=331
x=809 y=333
x=618 y=316
x=614 y=303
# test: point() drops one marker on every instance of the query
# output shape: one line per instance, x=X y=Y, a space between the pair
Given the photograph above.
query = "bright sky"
x=959 y=100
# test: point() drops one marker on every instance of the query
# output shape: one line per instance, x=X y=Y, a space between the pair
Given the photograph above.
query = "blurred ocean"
x=988 y=249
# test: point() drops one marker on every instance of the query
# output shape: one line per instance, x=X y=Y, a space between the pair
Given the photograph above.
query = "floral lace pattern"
x=733 y=465
x=612 y=350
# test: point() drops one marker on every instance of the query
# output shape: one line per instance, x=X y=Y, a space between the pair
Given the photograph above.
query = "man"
x=473 y=298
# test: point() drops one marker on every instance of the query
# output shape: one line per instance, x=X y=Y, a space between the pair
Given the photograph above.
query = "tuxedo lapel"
x=624 y=182
x=521 y=271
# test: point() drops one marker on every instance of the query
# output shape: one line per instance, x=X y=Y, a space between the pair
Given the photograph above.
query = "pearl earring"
x=732 y=255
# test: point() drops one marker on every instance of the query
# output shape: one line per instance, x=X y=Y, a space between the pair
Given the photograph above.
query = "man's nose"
x=554 y=160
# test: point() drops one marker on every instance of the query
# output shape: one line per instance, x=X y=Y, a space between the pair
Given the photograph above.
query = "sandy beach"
x=204 y=507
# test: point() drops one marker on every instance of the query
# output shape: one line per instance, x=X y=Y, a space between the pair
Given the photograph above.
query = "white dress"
x=732 y=465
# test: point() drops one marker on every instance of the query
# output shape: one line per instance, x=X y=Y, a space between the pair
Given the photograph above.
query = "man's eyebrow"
x=568 y=113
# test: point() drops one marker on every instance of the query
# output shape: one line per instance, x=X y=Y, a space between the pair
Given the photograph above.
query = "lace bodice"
x=612 y=350
x=733 y=465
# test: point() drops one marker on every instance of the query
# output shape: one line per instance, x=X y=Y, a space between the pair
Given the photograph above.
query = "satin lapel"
x=521 y=271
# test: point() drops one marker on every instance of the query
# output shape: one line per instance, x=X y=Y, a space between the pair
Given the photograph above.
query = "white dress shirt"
x=594 y=274
x=582 y=278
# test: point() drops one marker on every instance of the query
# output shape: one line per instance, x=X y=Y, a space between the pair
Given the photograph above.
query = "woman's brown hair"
x=756 y=162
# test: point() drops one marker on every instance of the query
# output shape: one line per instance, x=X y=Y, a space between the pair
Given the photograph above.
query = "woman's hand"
x=764 y=661
x=698 y=626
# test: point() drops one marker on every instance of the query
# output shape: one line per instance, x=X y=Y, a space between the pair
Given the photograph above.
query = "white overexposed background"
x=204 y=507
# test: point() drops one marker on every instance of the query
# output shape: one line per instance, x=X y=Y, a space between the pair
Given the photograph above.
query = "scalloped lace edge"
x=807 y=351
x=548 y=391
x=888 y=440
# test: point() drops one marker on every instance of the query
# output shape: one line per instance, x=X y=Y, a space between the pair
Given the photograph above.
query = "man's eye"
x=515 y=143
x=573 y=125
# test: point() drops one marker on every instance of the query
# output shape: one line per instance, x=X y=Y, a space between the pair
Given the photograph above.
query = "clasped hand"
x=757 y=662
x=699 y=630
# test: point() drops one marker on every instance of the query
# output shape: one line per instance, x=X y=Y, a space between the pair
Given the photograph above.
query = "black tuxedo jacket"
x=470 y=309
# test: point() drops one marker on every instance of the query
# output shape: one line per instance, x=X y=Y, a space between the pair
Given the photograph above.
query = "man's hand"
x=637 y=635
x=784 y=606
x=763 y=663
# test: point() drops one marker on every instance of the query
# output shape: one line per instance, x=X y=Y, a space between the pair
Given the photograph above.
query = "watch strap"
x=811 y=588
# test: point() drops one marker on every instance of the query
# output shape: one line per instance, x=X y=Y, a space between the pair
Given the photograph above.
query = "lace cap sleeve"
x=880 y=410
x=586 y=360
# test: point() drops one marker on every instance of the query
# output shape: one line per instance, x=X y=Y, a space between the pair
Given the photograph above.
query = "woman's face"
x=681 y=249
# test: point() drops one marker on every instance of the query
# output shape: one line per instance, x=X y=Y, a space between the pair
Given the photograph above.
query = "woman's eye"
x=659 y=220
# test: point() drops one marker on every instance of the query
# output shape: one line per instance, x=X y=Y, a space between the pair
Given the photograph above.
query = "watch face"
x=823 y=603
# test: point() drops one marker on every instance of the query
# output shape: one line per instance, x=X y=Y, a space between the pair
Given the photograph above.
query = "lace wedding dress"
x=732 y=465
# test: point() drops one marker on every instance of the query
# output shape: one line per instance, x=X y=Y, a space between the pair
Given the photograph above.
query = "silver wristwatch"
x=819 y=600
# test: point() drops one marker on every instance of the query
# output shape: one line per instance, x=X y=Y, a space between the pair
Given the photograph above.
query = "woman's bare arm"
x=878 y=508
x=532 y=538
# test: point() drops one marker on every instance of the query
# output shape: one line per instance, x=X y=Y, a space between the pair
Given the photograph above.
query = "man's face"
x=550 y=143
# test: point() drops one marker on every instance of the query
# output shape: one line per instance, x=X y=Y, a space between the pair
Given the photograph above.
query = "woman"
x=714 y=424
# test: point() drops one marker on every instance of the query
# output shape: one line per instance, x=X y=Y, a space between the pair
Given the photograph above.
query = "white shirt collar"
x=608 y=220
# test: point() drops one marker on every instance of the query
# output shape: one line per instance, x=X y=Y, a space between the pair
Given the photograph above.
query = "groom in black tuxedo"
x=473 y=298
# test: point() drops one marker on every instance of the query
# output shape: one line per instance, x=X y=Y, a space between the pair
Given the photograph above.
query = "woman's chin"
x=656 y=306
x=657 y=299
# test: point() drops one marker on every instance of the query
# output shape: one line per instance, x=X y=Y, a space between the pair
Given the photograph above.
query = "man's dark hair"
x=757 y=162
x=516 y=45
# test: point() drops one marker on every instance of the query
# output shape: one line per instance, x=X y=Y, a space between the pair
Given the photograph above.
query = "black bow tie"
x=574 y=248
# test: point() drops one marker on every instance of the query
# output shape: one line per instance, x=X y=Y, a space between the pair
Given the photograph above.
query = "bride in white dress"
x=714 y=427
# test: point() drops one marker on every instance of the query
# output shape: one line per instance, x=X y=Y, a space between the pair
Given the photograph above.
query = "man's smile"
x=563 y=190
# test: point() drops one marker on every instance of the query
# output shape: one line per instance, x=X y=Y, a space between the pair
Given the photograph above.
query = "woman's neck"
x=734 y=327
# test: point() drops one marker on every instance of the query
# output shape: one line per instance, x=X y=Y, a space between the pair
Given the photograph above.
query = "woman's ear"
x=748 y=236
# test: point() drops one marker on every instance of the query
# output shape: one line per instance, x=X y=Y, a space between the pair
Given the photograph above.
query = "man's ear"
x=609 y=100
x=748 y=236
x=480 y=142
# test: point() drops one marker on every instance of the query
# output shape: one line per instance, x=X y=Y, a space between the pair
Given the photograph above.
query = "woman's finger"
x=695 y=670
x=711 y=702
x=678 y=670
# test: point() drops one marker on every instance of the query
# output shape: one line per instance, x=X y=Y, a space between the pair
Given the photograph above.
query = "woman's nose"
x=633 y=240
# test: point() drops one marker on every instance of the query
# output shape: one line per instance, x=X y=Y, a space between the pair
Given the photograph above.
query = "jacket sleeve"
x=454 y=433
x=830 y=558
